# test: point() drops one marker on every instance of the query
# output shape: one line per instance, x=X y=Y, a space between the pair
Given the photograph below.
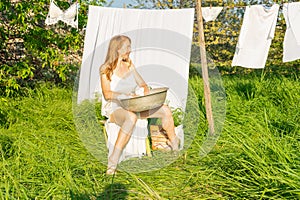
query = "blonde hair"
x=112 y=55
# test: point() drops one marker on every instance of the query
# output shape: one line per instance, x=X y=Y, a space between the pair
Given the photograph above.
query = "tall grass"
x=257 y=155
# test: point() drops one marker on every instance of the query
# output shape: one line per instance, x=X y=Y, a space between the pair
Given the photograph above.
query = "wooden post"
x=204 y=67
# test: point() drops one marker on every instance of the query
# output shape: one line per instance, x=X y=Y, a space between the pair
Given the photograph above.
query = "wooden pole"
x=204 y=67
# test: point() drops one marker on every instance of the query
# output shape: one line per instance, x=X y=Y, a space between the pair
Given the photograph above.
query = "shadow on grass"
x=7 y=149
x=111 y=191
x=246 y=90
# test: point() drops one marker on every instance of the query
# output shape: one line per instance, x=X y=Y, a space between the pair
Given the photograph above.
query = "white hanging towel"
x=210 y=13
x=255 y=37
x=291 y=43
x=161 y=48
x=69 y=16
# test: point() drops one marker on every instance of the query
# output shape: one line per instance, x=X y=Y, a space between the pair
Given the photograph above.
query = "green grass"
x=257 y=155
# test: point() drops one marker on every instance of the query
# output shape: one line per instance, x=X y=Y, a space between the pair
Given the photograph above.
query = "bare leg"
x=126 y=120
x=167 y=121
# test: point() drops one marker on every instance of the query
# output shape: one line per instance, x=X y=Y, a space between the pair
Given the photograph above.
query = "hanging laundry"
x=69 y=16
x=210 y=13
x=255 y=37
x=291 y=43
x=149 y=29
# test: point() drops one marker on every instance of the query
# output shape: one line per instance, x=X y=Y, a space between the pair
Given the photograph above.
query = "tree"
x=33 y=52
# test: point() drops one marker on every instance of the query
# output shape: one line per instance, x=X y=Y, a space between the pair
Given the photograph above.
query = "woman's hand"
x=128 y=95
x=126 y=61
x=134 y=95
x=146 y=90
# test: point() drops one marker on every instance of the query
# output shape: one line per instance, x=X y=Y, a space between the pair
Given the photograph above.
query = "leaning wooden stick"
x=207 y=96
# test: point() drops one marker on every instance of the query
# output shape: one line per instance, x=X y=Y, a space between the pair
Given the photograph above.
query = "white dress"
x=124 y=85
x=136 y=146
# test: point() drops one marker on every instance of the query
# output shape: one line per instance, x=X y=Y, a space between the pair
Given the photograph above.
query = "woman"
x=119 y=77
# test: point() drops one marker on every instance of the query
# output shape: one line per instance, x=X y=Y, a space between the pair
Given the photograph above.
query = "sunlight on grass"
x=256 y=157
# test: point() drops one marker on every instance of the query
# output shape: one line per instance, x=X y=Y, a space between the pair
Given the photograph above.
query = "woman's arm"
x=139 y=80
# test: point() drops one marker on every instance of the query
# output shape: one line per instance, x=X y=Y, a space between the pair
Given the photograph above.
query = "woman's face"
x=125 y=49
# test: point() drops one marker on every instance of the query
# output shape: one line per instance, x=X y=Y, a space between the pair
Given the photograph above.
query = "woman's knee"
x=130 y=119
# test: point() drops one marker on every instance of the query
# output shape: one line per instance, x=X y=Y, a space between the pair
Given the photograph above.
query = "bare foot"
x=111 y=167
x=174 y=144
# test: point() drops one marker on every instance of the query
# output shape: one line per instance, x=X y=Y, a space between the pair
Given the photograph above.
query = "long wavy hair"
x=112 y=55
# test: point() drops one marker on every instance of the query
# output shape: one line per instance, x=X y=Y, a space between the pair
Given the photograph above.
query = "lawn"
x=256 y=155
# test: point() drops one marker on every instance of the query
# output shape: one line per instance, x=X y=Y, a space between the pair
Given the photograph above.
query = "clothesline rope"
x=210 y=13
x=244 y=6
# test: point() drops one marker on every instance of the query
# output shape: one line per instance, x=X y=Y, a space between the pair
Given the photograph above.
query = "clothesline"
x=249 y=5
x=210 y=13
x=234 y=6
x=230 y=7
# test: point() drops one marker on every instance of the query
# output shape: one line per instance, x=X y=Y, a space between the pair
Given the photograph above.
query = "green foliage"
x=98 y=111
x=32 y=51
x=178 y=115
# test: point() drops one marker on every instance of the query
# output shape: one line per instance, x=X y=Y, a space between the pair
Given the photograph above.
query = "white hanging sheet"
x=291 y=43
x=255 y=37
x=161 y=44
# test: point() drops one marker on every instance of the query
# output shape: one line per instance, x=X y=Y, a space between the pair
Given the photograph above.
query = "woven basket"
x=159 y=138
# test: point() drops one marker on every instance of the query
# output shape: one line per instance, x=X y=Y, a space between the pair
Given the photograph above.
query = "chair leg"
x=104 y=131
x=148 y=147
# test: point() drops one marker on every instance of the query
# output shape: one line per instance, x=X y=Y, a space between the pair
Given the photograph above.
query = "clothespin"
x=210 y=5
